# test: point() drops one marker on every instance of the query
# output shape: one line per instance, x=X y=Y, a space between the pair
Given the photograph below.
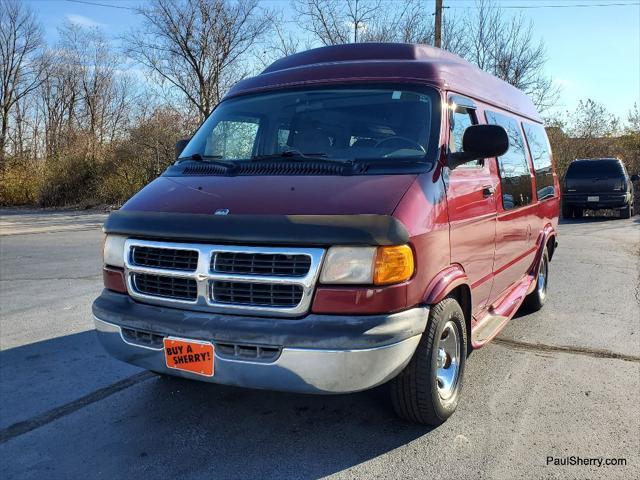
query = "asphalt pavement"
x=563 y=382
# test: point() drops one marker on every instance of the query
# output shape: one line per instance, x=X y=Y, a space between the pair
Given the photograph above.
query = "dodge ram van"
x=353 y=216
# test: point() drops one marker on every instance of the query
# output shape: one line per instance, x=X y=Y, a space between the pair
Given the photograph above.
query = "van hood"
x=274 y=195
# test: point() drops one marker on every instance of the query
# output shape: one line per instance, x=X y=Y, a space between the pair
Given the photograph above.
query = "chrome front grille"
x=168 y=287
x=166 y=258
x=261 y=264
x=261 y=294
x=222 y=278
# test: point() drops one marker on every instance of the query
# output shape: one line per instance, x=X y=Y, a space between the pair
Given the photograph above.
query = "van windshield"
x=379 y=124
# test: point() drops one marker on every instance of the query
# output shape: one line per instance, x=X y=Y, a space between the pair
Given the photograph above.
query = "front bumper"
x=316 y=354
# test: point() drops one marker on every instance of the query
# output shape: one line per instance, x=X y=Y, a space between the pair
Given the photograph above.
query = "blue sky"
x=592 y=52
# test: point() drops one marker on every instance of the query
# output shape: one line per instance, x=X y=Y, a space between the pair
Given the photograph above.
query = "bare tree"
x=633 y=120
x=59 y=100
x=588 y=131
x=147 y=150
x=505 y=47
x=281 y=42
x=21 y=61
x=198 y=46
x=84 y=92
x=334 y=22
x=592 y=120
x=408 y=23
x=401 y=23
x=631 y=144
x=284 y=43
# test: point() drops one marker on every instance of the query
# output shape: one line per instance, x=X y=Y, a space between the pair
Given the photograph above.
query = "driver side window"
x=233 y=139
x=461 y=118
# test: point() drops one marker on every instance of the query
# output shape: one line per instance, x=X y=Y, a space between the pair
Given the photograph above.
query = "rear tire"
x=579 y=212
x=428 y=388
x=535 y=300
x=626 y=212
x=567 y=212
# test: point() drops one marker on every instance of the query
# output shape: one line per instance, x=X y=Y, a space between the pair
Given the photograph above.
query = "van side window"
x=515 y=178
x=541 y=156
x=461 y=118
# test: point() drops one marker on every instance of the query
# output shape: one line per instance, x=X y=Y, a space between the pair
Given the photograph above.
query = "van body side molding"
x=318 y=230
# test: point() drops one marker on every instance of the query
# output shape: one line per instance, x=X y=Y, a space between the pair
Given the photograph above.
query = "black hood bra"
x=260 y=229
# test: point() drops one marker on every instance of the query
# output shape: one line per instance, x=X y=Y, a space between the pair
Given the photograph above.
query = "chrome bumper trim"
x=302 y=370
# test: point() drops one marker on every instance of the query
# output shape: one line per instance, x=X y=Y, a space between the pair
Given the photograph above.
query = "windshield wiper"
x=403 y=161
x=215 y=159
x=298 y=156
x=290 y=153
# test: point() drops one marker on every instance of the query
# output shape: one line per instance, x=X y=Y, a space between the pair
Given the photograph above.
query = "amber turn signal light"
x=393 y=265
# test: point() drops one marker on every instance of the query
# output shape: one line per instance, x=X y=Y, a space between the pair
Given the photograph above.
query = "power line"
x=574 y=5
x=499 y=2
x=453 y=7
x=103 y=5
x=577 y=5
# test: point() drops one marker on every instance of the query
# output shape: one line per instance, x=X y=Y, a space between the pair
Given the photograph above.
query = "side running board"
x=499 y=314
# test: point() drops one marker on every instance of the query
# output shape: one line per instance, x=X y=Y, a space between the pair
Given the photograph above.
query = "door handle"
x=488 y=190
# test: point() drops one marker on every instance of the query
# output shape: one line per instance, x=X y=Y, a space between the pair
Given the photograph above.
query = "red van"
x=354 y=215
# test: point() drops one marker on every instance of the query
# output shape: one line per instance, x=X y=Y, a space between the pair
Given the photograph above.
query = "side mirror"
x=480 y=141
x=635 y=177
x=180 y=144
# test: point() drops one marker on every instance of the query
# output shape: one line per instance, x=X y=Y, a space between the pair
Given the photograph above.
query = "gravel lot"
x=562 y=382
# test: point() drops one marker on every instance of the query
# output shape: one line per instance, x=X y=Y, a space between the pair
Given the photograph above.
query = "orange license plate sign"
x=189 y=355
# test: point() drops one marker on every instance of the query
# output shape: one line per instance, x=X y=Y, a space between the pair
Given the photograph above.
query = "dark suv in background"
x=595 y=184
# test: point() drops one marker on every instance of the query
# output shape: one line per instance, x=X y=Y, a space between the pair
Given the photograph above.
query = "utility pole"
x=437 y=40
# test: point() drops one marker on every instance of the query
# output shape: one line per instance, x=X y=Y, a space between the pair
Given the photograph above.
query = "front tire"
x=428 y=388
x=567 y=212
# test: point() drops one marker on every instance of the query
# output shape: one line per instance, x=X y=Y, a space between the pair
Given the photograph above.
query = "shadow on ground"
x=180 y=427
x=38 y=377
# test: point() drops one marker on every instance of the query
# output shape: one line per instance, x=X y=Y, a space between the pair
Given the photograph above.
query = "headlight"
x=349 y=265
x=113 y=251
x=367 y=265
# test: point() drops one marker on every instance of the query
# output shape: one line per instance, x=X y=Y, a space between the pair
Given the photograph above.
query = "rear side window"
x=515 y=178
x=541 y=156
x=606 y=168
